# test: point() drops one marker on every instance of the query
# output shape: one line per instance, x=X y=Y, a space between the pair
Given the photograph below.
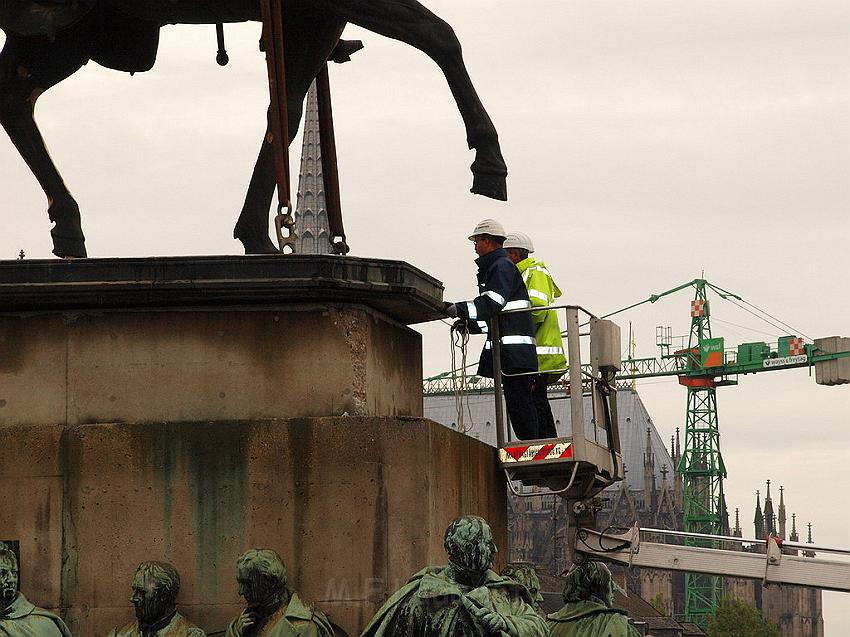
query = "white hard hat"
x=519 y=240
x=488 y=226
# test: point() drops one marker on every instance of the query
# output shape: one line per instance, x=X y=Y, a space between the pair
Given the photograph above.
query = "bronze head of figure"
x=471 y=549
x=8 y=576
x=526 y=575
x=155 y=589
x=590 y=581
x=262 y=580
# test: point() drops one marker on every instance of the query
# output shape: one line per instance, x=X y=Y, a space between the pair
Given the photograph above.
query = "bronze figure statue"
x=49 y=40
x=154 y=599
x=462 y=599
x=525 y=574
x=273 y=610
x=19 y=617
x=588 y=608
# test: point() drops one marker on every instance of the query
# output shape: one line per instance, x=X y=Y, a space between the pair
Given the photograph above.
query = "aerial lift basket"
x=577 y=466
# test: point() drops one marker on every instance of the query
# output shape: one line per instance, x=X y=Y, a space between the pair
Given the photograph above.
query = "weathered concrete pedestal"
x=186 y=409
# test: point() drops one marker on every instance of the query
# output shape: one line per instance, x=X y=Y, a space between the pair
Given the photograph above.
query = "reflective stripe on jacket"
x=543 y=291
x=501 y=288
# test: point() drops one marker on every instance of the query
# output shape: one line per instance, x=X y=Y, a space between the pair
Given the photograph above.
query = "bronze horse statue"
x=49 y=40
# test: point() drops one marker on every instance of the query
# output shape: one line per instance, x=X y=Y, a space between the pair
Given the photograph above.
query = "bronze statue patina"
x=462 y=599
x=18 y=617
x=526 y=575
x=588 y=606
x=49 y=40
x=154 y=598
x=273 y=610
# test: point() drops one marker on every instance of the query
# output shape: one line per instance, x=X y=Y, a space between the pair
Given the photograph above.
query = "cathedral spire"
x=758 y=519
x=809 y=541
x=795 y=537
x=678 y=488
x=769 y=517
x=311 y=214
x=678 y=447
x=649 y=486
x=737 y=532
x=782 y=518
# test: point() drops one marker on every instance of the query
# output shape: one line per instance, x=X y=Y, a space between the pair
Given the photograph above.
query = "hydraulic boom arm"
x=772 y=567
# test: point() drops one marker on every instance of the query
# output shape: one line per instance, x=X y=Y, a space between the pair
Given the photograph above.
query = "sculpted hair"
x=164 y=574
x=461 y=531
x=264 y=562
x=469 y=543
x=591 y=580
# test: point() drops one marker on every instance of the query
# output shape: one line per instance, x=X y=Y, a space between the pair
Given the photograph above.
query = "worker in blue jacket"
x=501 y=288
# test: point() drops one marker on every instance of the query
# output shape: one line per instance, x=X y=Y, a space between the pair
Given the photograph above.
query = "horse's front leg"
x=412 y=23
x=29 y=67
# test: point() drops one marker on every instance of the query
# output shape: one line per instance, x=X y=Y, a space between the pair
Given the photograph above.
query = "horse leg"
x=308 y=44
x=252 y=228
x=410 y=22
x=28 y=68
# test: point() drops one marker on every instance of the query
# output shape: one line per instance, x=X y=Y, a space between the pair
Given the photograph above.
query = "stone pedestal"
x=187 y=409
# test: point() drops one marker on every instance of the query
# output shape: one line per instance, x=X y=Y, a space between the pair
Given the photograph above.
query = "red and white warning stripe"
x=797 y=346
x=529 y=453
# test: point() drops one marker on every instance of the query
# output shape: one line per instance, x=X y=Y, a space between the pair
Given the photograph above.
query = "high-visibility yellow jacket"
x=543 y=291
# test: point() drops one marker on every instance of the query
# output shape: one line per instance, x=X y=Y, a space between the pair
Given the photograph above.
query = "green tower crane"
x=701 y=465
x=702 y=367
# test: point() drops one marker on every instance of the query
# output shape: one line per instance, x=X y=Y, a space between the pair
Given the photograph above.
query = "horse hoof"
x=258 y=245
x=69 y=248
x=493 y=186
x=67 y=233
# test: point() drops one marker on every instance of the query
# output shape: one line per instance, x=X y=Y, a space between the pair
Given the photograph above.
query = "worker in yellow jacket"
x=542 y=291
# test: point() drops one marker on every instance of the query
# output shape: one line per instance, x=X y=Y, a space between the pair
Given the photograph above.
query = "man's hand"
x=492 y=623
x=244 y=622
x=461 y=326
x=450 y=309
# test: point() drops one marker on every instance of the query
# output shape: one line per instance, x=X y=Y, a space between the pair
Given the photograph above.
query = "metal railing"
x=577 y=375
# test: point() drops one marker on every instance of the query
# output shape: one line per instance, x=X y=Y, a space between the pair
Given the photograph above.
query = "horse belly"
x=190 y=11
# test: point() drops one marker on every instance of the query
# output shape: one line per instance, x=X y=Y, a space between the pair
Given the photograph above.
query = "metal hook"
x=285 y=220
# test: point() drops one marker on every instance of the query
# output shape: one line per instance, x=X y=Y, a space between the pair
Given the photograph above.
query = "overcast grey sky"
x=646 y=141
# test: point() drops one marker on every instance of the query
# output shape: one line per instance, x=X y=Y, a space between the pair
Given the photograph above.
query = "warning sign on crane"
x=711 y=352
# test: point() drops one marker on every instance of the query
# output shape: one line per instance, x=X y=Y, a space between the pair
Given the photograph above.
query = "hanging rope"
x=779 y=327
x=459 y=340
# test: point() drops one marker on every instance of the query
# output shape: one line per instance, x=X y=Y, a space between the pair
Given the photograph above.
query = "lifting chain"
x=273 y=43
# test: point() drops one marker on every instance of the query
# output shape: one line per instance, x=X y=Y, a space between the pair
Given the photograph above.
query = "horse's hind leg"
x=252 y=228
x=309 y=41
x=410 y=22
x=28 y=67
